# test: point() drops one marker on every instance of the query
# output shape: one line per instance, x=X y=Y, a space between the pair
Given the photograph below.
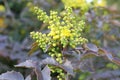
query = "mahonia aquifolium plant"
x=65 y=31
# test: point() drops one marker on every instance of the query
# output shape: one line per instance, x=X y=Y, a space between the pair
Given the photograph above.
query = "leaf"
x=106 y=75
x=89 y=54
x=11 y=75
x=27 y=64
x=109 y=56
x=33 y=48
x=34 y=65
x=28 y=77
x=92 y=47
x=116 y=60
x=86 y=65
x=49 y=61
x=68 y=67
x=101 y=52
x=46 y=73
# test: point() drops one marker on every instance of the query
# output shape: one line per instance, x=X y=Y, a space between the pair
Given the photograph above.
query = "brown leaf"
x=101 y=52
x=34 y=47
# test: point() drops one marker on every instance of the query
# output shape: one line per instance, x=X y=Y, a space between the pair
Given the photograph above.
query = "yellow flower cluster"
x=84 y=5
x=60 y=33
x=80 y=4
x=65 y=30
x=2 y=8
x=100 y=3
x=75 y=3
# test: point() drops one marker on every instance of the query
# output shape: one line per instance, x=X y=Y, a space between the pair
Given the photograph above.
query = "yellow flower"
x=54 y=44
x=65 y=33
x=2 y=8
x=75 y=3
x=100 y=3
x=56 y=37
x=52 y=33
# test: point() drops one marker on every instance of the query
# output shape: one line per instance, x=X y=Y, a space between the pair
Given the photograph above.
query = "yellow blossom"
x=2 y=8
x=100 y=3
x=56 y=37
x=65 y=33
x=75 y=3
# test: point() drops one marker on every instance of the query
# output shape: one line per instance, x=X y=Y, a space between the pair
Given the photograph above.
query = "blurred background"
x=102 y=29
